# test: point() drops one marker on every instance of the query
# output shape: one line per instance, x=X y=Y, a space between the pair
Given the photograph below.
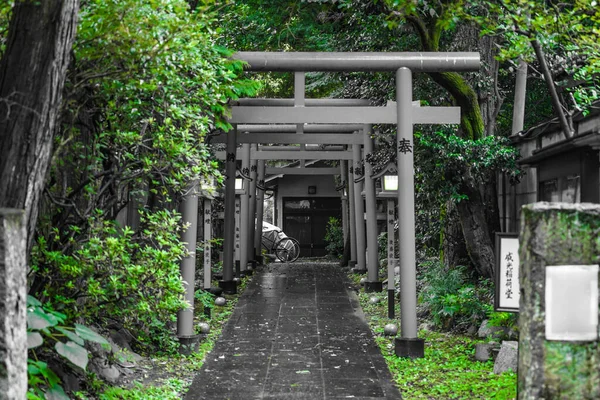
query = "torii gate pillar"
x=408 y=345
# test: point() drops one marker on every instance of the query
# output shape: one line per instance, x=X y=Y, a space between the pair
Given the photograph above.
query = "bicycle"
x=285 y=248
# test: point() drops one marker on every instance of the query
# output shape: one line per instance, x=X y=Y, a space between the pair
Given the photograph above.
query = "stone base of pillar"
x=358 y=270
x=237 y=268
x=410 y=348
x=188 y=344
x=371 y=287
x=229 y=287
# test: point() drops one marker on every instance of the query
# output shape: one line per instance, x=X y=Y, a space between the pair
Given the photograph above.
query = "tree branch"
x=567 y=128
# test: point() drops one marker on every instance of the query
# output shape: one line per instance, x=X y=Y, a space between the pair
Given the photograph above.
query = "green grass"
x=170 y=389
x=448 y=370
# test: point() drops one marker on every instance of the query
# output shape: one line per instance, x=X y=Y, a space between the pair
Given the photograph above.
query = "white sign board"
x=507 y=272
x=572 y=302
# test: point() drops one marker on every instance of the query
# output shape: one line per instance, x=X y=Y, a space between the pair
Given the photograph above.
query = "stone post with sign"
x=13 y=305
x=558 y=345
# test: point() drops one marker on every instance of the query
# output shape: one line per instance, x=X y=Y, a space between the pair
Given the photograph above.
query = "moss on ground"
x=448 y=370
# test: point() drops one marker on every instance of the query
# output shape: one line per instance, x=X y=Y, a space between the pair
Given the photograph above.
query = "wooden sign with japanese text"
x=507 y=272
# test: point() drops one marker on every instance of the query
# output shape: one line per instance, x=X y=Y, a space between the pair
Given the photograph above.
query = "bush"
x=115 y=276
x=452 y=301
x=503 y=319
x=334 y=237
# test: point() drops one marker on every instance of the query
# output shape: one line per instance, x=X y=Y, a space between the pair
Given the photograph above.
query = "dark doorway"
x=306 y=220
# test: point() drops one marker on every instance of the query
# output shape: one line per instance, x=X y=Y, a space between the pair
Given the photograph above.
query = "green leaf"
x=34 y=339
x=73 y=352
x=33 y=302
x=87 y=334
x=56 y=392
x=40 y=367
x=71 y=335
x=38 y=319
x=33 y=396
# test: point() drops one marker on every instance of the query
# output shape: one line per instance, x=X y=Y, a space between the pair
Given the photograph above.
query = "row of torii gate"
x=302 y=121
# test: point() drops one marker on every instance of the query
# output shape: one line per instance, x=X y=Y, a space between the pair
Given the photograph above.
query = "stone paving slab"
x=297 y=332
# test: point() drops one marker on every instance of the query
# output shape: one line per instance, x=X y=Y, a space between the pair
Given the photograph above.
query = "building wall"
x=568 y=162
x=297 y=186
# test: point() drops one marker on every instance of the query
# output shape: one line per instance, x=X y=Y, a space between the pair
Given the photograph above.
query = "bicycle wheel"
x=285 y=250
x=296 y=252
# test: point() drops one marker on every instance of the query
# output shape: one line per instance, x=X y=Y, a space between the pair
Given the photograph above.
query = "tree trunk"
x=474 y=224
x=452 y=240
x=490 y=102
x=32 y=75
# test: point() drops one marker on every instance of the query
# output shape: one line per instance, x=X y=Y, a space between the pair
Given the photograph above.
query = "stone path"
x=297 y=332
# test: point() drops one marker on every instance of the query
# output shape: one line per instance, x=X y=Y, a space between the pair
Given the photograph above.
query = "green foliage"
x=448 y=370
x=382 y=245
x=451 y=300
x=503 y=319
x=172 y=373
x=44 y=328
x=443 y=161
x=206 y=299
x=146 y=84
x=334 y=237
x=170 y=390
x=114 y=275
x=448 y=159
x=566 y=30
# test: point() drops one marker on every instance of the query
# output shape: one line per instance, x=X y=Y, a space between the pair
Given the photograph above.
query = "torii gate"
x=404 y=115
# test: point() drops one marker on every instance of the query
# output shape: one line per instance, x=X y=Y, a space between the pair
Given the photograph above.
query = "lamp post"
x=241 y=216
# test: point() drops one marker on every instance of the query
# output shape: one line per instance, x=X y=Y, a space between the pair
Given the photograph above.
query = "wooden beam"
x=346 y=115
x=292 y=138
x=359 y=61
x=293 y=155
x=308 y=128
x=262 y=102
x=302 y=171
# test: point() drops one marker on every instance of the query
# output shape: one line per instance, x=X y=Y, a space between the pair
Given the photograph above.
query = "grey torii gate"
x=252 y=108
x=404 y=115
x=276 y=153
x=321 y=134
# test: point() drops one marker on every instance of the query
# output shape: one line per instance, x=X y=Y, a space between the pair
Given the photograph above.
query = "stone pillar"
x=359 y=213
x=408 y=345
x=189 y=215
x=252 y=209
x=373 y=284
x=228 y=284
x=260 y=209
x=555 y=234
x=207 y=244
x=13 y=305
x=245 y=212
x=352 y=217
x=343 y=179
